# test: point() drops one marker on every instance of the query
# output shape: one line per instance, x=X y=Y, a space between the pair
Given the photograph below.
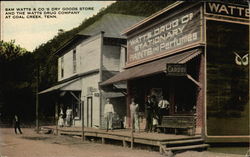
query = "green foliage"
x=16 y=79
x=10 y=51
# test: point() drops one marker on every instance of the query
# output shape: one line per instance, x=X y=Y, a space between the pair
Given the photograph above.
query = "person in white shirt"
x=134 y=109
x=60 y=119
x=108 y=113
x=163 y=106
x=68 y=116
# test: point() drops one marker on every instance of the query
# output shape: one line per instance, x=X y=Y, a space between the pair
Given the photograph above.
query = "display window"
x=227 y=78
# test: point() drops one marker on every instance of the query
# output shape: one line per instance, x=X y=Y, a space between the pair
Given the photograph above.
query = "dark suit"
x=149 y=116
x=17 y=124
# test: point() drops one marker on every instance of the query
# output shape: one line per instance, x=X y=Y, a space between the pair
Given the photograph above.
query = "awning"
x=73 y=85
x=154 y=67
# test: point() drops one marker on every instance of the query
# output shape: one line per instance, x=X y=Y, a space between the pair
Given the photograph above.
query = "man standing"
x=149 y=114
x=108 y=113
x=17 y=124
x=163 y=108
x=134 y=108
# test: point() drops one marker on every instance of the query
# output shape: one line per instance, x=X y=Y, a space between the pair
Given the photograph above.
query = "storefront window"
x=227 y=78
x=76 y=108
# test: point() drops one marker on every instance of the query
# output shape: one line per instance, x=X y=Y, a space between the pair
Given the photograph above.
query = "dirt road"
x=30 y=144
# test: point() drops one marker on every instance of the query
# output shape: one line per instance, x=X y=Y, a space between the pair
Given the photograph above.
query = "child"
x=61 y=121
x=155 y=123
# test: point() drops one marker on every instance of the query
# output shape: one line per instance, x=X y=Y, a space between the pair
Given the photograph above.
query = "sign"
x=232 y=10
x=178 y=31
x=96 y=94
x=176 y=69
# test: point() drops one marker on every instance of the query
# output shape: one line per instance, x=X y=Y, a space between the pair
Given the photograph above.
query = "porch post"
x=132 y=131
x=200 y=102
x=56 y=116
x=128 y=120
x=82 y=105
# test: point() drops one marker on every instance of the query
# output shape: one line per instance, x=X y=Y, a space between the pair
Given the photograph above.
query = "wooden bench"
x=179 y=122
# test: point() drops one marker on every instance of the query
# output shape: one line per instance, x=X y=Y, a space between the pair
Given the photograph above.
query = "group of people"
x=109 y=113
x=154 y=111
x=65 y=120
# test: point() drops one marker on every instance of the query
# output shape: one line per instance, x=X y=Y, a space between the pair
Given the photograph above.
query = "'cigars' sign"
x=232 y=10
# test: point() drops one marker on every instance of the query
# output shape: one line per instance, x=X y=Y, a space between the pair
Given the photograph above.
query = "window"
x=74 y=61
x=62 y=67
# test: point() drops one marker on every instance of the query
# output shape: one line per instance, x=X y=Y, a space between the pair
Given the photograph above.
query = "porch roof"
x=153 y=67
x=72 y=85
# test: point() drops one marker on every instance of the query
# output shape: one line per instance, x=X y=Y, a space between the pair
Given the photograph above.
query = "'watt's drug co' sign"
x=230 y=10
x=170 y=34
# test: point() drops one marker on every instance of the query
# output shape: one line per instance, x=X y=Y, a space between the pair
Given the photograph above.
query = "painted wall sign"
x=176 y=69
x=175 y=32
x=232 y=10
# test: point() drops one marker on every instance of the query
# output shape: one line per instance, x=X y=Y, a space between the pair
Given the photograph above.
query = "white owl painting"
x=241 y=60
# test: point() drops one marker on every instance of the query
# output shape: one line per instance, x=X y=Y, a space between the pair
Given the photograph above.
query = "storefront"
x=174 y=40
x=227 y=72
x=186 y=54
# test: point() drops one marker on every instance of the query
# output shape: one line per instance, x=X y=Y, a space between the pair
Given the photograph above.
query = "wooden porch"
x=160 y=141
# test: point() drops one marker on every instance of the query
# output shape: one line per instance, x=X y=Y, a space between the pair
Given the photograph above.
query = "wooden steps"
x=182 y=142
x=183 y=145
x=200 y=146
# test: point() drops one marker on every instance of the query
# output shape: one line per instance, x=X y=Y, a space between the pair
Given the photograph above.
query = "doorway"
x=89 y=111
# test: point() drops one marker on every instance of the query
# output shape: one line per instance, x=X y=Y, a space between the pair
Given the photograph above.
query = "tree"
x=16 y=80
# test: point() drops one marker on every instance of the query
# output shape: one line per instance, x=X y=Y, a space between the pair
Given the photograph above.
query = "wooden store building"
x=196 y=56
x=90 y=57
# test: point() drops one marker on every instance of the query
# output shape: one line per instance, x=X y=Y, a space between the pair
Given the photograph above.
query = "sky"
x=25 y=22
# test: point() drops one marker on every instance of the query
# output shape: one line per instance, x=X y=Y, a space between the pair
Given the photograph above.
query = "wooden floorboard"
x=154 y=139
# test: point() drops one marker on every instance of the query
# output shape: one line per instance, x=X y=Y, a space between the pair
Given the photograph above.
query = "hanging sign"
x=232 y=10
x=176 y=70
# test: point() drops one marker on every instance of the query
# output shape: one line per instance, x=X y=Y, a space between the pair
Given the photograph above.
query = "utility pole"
x=37 y=99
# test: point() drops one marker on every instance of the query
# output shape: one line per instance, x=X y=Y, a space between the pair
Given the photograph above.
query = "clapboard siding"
x=67 y=65
x=89 y=54
x=87 y=58
x=111 y=58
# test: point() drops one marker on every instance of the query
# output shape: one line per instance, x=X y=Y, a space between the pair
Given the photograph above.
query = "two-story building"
x=196 y=55
x=89 y=58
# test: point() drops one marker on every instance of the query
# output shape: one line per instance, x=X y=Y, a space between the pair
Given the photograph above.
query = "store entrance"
x=183 y=96
x=178 y=91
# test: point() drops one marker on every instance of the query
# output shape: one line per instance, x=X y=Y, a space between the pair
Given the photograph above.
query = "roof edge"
x=147 y=19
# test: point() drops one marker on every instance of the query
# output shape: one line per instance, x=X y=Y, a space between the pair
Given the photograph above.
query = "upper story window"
x=62 y=67
x=74 y=61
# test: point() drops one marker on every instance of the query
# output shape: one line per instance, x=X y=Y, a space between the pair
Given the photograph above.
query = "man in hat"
x=108 y=113
x=149 y=114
